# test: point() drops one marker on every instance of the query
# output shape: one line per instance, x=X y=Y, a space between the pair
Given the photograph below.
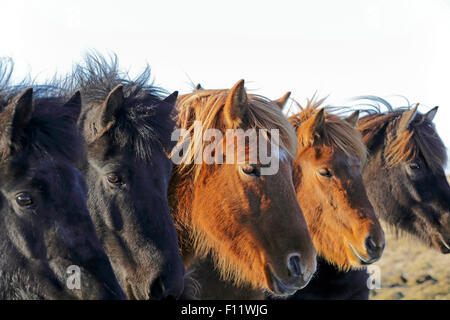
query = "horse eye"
x=113 y=179
x=250 y=170
x=325 y=172
x=24 y=200
x=414 y=166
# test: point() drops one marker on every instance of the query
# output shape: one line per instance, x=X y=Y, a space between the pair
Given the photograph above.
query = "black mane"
x=146 y=122
x=51 y=131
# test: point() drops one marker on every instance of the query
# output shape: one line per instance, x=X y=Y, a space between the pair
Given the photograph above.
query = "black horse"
x=127 y=127
x=48 y=245
x=406 y=184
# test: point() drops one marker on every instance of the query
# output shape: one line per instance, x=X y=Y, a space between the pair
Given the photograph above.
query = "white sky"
x=341 y=48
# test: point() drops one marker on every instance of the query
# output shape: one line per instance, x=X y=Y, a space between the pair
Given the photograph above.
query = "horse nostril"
x=373 y=248
x=163 y=288
x=157 y=289
x=294 y=265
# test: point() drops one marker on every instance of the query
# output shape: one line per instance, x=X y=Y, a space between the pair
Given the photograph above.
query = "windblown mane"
x=6 y=70
x=336 y=133
x=23 y=288
x=207 y=105
x=421 y=139
x=146 y=122
x=51 y=132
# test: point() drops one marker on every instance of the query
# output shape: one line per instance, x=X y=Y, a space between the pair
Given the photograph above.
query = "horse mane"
x=207 y=105
x=23 y=287
x=49 y=133
x=421 y=137
x=337 y=133
x=146 y=121
x=6 y=71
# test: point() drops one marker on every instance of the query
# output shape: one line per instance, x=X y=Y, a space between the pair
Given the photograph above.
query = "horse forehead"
x=51 y=165
x=331 y=157
x=159 y=166
x=47 y=170
x=321 y=153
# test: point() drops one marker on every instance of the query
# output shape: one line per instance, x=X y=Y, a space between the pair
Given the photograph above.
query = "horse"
x=48 y=243
x=327 y=176
x=329 y=184
x=405 y=182
x=127 y=126
x=249 y=223
x=405 y=176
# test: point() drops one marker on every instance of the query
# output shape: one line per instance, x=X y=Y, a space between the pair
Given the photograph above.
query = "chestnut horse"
x=328 y=180
x=328 y=168
x=250 y=223
x=405 y=182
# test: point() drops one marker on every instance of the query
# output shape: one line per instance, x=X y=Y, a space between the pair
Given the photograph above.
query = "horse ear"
x=316 y=124
x=112 y=105
x=432 y=113
x=281 y=102
x=319 y=121
x=23 y=108
x=236 y=105
x=74 y=105
x=172 y=98
x=406 y=119
x=17 y=115
x=353 y=118
x=313 y=128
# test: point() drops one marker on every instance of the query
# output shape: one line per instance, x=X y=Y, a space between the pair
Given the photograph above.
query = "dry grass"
x=410 y=270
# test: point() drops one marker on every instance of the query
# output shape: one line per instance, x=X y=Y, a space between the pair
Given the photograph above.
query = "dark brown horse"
x=405 y=175
x=250 y=223
x=127 y=127
x=46 y=233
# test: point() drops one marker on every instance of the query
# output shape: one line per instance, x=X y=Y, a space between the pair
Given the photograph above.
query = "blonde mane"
x=207 y=105
x=336 y=132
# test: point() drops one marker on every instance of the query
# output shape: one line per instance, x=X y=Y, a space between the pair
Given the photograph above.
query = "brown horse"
x=250 y=223
x=328 y=181
x=329 y=185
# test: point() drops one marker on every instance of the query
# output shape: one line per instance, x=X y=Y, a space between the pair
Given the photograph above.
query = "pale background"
x=338 y=48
